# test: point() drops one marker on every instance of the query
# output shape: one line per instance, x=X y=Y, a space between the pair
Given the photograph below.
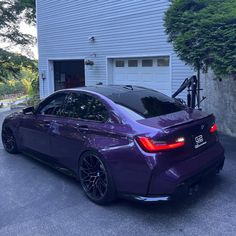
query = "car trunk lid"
x=174 y=119
x=193 y=125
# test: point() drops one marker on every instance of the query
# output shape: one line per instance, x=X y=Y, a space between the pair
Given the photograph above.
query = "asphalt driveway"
x=37 y=200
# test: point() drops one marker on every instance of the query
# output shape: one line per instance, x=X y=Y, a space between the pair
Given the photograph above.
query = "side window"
x=54 y=106
x=73 y=106
x=85 y=107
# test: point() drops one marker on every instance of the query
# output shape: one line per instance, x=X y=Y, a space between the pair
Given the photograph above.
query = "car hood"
x=174 y=119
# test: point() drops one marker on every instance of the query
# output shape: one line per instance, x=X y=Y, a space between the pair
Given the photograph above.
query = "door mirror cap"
x=29 y=110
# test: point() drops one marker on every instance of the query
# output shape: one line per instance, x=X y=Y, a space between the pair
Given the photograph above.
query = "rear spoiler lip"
x=188 y=122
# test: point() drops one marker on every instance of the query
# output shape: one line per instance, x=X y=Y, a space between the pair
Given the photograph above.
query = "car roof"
x=108 y=90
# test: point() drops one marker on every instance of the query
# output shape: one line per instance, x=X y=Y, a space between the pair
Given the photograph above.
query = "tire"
x=96 y=179
x=9 y=141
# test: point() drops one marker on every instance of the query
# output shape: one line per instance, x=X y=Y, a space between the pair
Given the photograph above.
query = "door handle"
x=47 y=124
x=83 y=128
x=44 y=125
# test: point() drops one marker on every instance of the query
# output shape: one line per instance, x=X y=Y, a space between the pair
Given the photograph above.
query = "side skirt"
x=45 y=160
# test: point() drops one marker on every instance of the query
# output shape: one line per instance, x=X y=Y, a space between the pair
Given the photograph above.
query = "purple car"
x=119 y=141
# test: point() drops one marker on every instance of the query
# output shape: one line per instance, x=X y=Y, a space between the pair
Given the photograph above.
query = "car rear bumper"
x=187 y=172
x=187 y=186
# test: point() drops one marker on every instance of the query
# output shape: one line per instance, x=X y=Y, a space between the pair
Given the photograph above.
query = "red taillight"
x=150 y=145
x=213 y=128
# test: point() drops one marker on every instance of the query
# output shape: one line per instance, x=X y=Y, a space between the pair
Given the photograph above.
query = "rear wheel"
x=9 y=141
x=95 y=179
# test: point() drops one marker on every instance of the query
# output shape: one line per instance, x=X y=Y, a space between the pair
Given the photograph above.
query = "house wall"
x=119 y=27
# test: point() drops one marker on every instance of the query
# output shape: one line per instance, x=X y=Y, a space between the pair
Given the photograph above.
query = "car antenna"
x=129 y=87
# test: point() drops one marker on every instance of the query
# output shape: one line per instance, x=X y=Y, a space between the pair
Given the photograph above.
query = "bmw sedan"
x=119 y=141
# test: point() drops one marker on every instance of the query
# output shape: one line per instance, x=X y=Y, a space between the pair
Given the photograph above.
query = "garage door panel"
x=148 y=77
x=132 y=76
x=155 y=77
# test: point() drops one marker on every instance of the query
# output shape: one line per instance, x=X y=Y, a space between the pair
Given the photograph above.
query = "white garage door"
x=147 y=72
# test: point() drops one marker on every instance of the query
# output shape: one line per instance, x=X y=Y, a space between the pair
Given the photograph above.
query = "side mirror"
x=29 y=110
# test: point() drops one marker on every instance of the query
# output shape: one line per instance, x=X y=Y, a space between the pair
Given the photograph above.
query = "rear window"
x=146 y=103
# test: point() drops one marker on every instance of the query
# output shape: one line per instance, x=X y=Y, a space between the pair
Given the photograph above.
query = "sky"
x=33 y=31
x=27 y=29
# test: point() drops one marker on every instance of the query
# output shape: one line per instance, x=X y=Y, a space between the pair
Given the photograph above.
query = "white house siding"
x=121 y=28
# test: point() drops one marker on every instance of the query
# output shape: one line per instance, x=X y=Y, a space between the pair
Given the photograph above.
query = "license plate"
x=199 y=141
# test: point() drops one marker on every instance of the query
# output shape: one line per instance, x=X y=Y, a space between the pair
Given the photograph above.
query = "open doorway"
x=68 y=74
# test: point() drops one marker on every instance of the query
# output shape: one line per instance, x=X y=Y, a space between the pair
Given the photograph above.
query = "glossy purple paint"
x=60 y=141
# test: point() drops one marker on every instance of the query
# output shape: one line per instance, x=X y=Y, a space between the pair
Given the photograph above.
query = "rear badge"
x=199 y=141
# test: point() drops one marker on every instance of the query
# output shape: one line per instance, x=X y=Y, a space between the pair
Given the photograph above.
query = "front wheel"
x=9 y=141
x=95 y=179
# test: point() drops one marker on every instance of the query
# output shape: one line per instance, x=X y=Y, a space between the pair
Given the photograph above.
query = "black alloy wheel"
x=9 y=141
x=95 y=179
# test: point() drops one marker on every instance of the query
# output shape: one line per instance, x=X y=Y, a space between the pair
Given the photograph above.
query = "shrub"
x=203 y=33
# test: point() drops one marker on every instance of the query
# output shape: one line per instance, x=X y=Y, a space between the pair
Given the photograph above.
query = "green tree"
x=29 y=79
x=203 y=33
x=11 y=64
x=12 y=12
x=11 y=87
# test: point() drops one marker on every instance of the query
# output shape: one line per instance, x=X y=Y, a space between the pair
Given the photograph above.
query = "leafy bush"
x=203 y=33
x=11 y=87
x=33 y=101
x=27 y=83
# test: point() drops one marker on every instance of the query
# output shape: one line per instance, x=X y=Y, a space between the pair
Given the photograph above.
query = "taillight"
x=213 y=128
x=149 y=145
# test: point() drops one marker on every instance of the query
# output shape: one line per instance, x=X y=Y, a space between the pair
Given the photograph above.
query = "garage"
x=152 y=72
x=68 y=74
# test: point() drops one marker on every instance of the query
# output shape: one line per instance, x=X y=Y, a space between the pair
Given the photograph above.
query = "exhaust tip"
x=193 y=189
